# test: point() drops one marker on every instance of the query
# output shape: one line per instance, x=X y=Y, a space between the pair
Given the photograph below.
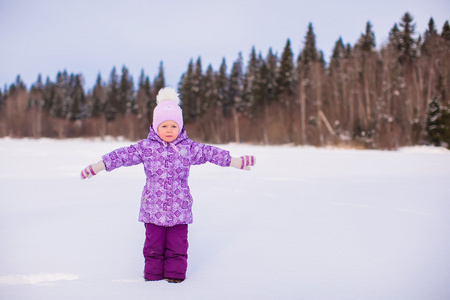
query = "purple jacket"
x=166 y=199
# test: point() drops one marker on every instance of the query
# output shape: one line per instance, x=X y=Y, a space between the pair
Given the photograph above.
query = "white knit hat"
x=167 y=108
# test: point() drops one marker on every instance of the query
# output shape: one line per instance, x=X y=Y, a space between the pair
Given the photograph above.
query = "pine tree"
x=338 y=81
x=272 y=67
x=310 y=72
x=159 y=82
x=61 y=99
x=285 y=76
x=366 y=42
x=438 y=123
x=209 y=105
x=48 y=87
x=143 y=98
x=151 y=102
x=235 y=97
x=187 y=98
x=98 y=98
x=251 y=78
x=260 y=90
x=365 y=56
x=394 y=39
x=446 y=31
x=197 y=88
x=18 y=85
x=222 y=83
x=210 y=91
x=408 y=45
x=337 y=57
x=284 y=92
x=112 y=103
x=126 y=93
x=76 y=107
x=235 y=88
x=430 y=39
x=57 y=109
x=36 y=93
x=309 y=54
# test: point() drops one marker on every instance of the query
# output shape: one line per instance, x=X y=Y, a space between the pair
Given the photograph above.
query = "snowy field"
x=305 y=223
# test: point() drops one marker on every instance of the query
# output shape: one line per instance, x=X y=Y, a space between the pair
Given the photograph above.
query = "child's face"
x=168 y=131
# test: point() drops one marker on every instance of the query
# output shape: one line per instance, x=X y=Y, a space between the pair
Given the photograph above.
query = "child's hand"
x=92 y=170
x=243 y=162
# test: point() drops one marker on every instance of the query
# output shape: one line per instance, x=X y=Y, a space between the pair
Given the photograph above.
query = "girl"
x=166 y=205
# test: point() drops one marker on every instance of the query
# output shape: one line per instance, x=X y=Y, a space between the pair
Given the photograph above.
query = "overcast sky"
x=91 y=37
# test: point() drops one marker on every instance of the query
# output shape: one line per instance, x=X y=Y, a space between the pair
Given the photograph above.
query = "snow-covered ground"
x=305 y=223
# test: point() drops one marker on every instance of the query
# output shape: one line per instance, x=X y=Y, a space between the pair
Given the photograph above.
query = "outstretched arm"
x=92 y=170
x=207 y=153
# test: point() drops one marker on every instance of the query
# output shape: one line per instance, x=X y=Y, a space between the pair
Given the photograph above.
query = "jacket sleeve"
x=123 y=157
x=206 y=153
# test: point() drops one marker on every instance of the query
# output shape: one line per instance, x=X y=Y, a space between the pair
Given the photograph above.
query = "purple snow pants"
x=165 y=252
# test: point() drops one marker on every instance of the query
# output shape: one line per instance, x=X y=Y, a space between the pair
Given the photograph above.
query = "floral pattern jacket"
x=166 y=199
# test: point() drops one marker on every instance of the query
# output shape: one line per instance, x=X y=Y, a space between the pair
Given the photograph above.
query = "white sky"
x=90 y=37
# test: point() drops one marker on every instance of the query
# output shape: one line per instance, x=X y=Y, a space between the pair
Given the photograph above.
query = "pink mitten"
x=92 y=170
x=243 y=162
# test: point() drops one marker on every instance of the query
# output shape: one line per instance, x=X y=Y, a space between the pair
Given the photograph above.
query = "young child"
x=166 y=203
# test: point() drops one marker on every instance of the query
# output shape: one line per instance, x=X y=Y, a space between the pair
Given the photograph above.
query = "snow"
x=304 y=223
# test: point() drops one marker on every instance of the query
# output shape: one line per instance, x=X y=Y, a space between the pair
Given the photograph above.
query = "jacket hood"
x=152 y=135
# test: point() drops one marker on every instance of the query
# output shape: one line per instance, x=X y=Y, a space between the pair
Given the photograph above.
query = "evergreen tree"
x=366 y=42
x=235 y=88
x=18 y=85
x=309 y=54
x=126 y=93
x=48 y=87
x=186 y=95
x=250 y=83
x=98 y=95
x=322 y=60
x=438 y=123
x=446 y=32
x=271 y=80
x=159 y=81
x=285 y=77
x=430 y=39
x=310 y=72
x=197 y=88
x=337 y=57
x=112 y=103
x=68 y=84
x=395 y=39
x=222 y=84
x=144 y=98
x=210 y=91
x=77 y=99
x=348 y=51
x=57 y=109
x=408 y=45
x=151 y=102
x=260 y=89
x=36 y=92
x=337 y=79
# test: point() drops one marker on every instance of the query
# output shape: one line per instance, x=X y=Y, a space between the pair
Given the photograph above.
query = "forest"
x=365 y=96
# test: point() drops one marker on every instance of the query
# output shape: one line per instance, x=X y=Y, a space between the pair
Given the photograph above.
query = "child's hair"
x=167 y=108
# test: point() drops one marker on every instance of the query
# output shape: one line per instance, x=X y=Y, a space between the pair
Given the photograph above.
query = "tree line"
x=383 y=98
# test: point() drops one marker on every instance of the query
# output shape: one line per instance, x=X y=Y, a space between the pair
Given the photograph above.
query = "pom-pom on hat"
x=167 y=108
